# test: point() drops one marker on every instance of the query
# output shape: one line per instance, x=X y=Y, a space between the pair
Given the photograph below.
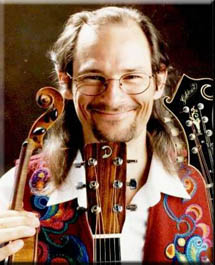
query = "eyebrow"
x=87 y=71
x=125 y=70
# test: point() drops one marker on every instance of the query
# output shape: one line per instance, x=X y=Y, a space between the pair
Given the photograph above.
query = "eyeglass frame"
x=105 y=84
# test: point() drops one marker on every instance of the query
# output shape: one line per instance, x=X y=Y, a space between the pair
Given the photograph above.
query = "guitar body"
x=192 y=106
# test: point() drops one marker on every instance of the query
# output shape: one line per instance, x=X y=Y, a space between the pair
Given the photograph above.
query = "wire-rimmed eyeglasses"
x=92 y=84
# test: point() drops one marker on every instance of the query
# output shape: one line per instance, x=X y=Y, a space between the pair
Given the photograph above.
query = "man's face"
x=113 y=50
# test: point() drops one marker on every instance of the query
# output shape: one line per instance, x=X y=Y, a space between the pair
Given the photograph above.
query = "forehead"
x=117 y=44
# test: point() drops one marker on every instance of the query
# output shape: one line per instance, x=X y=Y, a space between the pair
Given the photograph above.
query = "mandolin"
x=192 y=106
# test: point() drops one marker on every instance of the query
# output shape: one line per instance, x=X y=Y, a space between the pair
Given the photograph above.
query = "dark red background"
x=29 y=31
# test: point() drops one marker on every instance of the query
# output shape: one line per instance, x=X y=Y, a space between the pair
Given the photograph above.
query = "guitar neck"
x=107 y=249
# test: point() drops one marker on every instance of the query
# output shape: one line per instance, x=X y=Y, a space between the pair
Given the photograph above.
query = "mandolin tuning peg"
x=186 y=109
x=204 y=119
x=200 y=106
x=192 y=136
x=209 y=133
x=188 y=123
x=194 y=150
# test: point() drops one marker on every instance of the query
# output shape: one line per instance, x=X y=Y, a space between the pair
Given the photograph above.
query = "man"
x=112 y=69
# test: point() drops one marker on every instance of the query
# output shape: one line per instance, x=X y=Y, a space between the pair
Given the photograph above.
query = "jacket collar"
x=159 y=181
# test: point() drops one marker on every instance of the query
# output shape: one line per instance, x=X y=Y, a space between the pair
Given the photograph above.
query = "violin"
x=51 y=100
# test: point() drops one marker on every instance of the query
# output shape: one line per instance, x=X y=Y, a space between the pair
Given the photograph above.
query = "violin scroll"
x=47 y=98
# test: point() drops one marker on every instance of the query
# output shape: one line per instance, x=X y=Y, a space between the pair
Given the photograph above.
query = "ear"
x=160 y=83
x=65 y=85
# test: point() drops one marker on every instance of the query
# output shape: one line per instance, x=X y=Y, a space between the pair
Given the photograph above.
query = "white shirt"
x=134 y=228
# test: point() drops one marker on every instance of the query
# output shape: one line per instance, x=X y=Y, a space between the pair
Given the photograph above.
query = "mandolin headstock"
x=192 y=106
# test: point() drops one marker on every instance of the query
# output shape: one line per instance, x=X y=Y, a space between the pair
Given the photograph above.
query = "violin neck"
x=21 y=175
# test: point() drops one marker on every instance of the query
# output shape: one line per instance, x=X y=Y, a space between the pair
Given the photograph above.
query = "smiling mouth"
x=112 y=115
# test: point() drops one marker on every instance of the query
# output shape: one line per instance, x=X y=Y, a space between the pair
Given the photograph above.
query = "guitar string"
x=115 y=217
x=112 y=220
x=100 y=225
x=99 y=218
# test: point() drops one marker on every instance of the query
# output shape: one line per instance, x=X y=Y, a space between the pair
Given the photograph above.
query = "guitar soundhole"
x=107 y=250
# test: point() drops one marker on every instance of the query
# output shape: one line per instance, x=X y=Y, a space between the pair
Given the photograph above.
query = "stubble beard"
x=115 y=135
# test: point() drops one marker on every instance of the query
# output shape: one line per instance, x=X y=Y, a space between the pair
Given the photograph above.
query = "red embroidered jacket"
x=178 y=230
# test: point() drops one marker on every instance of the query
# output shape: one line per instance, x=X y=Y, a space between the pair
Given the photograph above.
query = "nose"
x=113 y=92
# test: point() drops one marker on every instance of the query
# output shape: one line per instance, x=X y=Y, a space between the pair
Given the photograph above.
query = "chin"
x=115 y=135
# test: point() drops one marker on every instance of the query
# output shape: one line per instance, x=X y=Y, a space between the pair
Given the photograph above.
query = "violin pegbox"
x=105 y=165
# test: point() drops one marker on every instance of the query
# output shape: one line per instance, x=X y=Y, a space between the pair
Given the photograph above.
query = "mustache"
x=105 y=107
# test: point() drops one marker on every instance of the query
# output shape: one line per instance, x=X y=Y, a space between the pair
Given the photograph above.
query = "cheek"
x=81 y=102
x=146 y=104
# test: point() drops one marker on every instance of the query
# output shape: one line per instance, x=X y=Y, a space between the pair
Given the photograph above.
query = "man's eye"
x=132 y=77
x=93 y=78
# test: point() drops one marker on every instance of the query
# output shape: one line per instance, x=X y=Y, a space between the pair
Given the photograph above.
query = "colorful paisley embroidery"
x=56 y=243
x=187 y=246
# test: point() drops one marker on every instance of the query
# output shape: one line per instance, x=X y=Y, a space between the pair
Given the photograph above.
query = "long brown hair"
x=66 y=137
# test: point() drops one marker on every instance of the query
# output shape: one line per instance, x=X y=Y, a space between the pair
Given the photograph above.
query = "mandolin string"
x=207 y=179
x=202 y=161
x=208 y=142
